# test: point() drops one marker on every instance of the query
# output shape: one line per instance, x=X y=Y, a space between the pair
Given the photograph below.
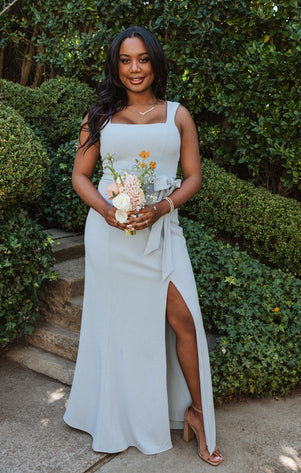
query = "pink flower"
x=113 y=189
x=133 y=189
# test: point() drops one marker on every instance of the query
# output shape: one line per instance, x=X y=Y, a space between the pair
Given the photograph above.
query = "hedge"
x=256 y=313
x=60 y=205
x=55 y=109
x=267 y=224
x=25 y=262
x=23 y=161
x=235 y=65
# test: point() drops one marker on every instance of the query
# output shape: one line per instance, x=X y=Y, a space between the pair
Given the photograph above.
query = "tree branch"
x=8 y=6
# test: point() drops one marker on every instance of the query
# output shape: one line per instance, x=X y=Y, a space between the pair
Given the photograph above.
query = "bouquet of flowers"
x=128 y=191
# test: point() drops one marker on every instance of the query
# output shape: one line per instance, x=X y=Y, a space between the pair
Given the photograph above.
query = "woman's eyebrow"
x=141 y=54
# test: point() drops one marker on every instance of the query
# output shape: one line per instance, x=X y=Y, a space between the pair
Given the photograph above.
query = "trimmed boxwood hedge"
x=267 y=224
x=55 y=109
x=23 y=161
x=256 y=313
x=25 y=262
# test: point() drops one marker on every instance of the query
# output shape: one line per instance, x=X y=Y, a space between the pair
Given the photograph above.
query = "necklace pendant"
x=146 y=111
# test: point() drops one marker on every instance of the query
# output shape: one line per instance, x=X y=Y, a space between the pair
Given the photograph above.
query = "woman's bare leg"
x=181 y=321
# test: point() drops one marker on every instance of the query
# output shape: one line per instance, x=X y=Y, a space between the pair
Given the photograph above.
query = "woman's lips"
x=137 y=80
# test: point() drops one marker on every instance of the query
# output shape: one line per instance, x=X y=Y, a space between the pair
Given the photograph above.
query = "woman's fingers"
x=144 y=218
x=135 y=221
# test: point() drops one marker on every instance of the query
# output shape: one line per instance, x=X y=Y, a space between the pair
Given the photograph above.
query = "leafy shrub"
x=61 y=206
x=268 y=224
x=23 y=160
x=235 y=65
x=255 y=311
x=55 y=109
x=69 y=100
x=25 y=261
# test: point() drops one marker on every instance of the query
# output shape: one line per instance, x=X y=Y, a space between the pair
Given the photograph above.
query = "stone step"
x=67 y=245
x=43 y=362
x=65 y=314
x=70 y=282
x=57 y=340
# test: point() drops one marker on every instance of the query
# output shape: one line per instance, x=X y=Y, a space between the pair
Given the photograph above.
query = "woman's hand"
x=145 y=217
x=137 y=220
x=110 y=218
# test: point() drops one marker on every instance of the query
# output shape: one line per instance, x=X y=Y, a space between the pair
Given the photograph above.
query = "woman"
x=128 y=386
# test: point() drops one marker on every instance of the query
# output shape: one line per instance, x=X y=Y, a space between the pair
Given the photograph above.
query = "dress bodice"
x=125 y=141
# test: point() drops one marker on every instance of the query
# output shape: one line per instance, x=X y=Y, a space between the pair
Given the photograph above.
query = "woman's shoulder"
x=183 y=118
x=182 y=113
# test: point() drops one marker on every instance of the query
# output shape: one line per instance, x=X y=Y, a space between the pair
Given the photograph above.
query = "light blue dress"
x=128 y=388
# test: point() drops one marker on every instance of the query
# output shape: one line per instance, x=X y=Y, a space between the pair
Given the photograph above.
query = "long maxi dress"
x=128 y=388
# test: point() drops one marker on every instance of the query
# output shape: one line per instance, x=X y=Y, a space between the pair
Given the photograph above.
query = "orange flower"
x=152 y=164
x=142 y=165
x=276 y=309
x=144 y=154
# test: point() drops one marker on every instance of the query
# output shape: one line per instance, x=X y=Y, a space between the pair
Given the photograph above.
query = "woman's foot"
x=194 y=426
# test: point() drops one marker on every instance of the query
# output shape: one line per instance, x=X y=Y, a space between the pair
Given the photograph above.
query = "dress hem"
x=153 y=451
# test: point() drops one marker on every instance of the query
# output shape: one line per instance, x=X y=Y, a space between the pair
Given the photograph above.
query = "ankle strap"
x=199 y=411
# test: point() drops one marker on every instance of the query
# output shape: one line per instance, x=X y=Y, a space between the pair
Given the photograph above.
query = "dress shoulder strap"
x=171 y=111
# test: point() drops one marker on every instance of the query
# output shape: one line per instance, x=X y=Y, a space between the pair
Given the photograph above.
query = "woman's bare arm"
x=84 y=166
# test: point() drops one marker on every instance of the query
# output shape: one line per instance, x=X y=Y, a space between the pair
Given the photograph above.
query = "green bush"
x=25 y=261
x=69 y=100
x=23 y=161
x=55 y=109
x=235 y=65
x=60 y=204
x=267 y=224
x=255 y=311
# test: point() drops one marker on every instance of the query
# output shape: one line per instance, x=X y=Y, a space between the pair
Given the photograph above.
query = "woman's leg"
x=181 y=321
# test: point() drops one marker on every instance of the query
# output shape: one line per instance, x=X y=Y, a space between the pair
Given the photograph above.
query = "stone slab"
x=255 y=436
x=70 y=282
x=33 y=435
x=42 y=362
x=66 y=314
x=68 y=248
x=54 y=339
x=58 y=233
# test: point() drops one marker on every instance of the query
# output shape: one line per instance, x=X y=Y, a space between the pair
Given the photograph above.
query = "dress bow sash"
x=164 y=186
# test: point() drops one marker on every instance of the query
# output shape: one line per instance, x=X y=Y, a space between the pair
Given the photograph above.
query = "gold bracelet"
x=171 y=204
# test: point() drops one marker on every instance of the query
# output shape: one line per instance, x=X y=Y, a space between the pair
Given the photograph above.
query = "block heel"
x=190 y=432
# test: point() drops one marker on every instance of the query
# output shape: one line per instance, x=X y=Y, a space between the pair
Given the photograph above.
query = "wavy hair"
x=112 y=95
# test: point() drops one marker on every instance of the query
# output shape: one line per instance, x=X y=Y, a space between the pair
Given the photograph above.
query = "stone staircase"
x=52 y=348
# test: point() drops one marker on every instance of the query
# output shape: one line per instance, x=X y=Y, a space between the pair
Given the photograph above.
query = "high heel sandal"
x=190 y=432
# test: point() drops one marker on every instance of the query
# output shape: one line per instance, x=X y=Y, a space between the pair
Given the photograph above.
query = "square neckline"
x=144 y=124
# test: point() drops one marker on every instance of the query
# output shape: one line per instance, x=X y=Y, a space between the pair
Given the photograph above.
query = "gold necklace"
x=146 y=111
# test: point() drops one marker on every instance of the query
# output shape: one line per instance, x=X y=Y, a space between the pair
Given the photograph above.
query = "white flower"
x=122 y=202
x=121 y=216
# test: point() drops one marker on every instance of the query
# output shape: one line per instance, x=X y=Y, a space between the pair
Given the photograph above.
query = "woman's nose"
x=135 y=66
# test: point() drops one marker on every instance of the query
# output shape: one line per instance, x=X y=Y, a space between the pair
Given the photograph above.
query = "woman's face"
x=135 y=69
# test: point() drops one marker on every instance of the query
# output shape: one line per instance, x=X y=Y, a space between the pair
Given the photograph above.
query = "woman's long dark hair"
x=112 y=95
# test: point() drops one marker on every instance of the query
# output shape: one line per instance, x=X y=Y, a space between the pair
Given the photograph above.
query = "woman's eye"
x=124 y=61
x=144 y=59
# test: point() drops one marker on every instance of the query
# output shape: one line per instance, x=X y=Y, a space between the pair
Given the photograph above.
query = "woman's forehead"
x=133 y=46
